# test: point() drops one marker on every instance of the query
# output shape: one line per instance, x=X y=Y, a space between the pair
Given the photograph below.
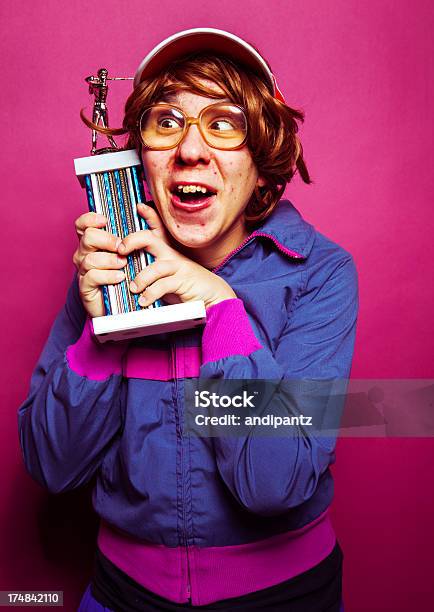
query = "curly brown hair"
x=272 y=134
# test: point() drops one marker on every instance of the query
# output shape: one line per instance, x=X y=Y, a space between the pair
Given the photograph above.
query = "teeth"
x=191 y=188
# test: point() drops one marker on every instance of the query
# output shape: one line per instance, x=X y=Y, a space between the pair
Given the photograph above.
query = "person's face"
x=232 y=175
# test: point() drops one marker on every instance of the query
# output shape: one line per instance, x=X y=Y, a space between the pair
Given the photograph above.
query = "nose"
x=193 y=149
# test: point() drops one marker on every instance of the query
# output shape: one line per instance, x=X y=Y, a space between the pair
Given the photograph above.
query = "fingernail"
x=120 y=276
x=118 y=241
x=121 y=248
x=133 y=286
x=122 y=261
x=101 y=219
x=142 y=301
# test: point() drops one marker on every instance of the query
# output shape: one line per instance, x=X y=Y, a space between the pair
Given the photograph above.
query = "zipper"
x=246 y=241
x=180 y=430
x=188 y=574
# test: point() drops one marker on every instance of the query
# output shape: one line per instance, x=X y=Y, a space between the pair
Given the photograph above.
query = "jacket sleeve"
x=270 y=474
x=72 y=411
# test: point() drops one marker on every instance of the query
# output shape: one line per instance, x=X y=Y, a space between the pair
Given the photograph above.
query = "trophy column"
x=113 y=189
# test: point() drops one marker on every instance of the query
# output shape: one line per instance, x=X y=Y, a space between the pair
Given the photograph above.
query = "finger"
x=152 y=273
x=144 y=240
x=96 y=278
x=93 y=302
x=95 y=239
x=89 y=219
x=152 y=218
x=102 y=261
x=168 y=284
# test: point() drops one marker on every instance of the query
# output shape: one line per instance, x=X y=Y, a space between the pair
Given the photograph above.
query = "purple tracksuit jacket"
x=202 y=518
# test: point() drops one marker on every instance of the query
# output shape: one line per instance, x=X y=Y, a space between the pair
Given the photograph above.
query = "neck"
x=211 y=256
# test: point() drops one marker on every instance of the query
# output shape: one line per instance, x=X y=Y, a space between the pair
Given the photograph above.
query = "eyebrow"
x=169 y=98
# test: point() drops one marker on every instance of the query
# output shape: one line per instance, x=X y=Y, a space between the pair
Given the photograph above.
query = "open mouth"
x=192 y=197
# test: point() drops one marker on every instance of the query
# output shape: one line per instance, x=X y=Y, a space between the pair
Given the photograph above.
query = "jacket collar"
x=288 y=231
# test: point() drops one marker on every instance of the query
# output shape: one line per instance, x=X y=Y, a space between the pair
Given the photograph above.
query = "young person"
x=225 y=522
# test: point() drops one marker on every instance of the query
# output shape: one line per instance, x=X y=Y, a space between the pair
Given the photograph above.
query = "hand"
x=172 y=276
x=96 y=260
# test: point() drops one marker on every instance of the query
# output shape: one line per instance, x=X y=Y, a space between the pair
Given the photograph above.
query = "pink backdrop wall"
x=363 y=73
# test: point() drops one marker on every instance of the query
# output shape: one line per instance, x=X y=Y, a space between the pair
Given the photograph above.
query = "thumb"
x=152 y=218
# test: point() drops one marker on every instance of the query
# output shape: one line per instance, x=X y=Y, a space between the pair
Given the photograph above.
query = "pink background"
x=363 y=72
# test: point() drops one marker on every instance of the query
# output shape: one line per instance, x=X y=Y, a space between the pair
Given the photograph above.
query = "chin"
x=192 y=236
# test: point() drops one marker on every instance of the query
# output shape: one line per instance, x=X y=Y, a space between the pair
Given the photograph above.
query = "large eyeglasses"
x=222 y=125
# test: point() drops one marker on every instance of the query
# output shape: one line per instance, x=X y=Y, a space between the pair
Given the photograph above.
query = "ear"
x=260 y=182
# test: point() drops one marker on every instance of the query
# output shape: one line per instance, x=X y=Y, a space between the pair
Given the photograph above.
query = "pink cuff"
x=87 y=357
x=227 y=331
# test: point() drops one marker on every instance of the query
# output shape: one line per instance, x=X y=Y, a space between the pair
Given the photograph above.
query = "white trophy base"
x=149 y=321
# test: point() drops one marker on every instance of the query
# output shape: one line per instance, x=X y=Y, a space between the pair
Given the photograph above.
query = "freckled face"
x=231 y=174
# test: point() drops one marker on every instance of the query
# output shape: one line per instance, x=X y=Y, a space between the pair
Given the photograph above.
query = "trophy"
x=112 y=178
